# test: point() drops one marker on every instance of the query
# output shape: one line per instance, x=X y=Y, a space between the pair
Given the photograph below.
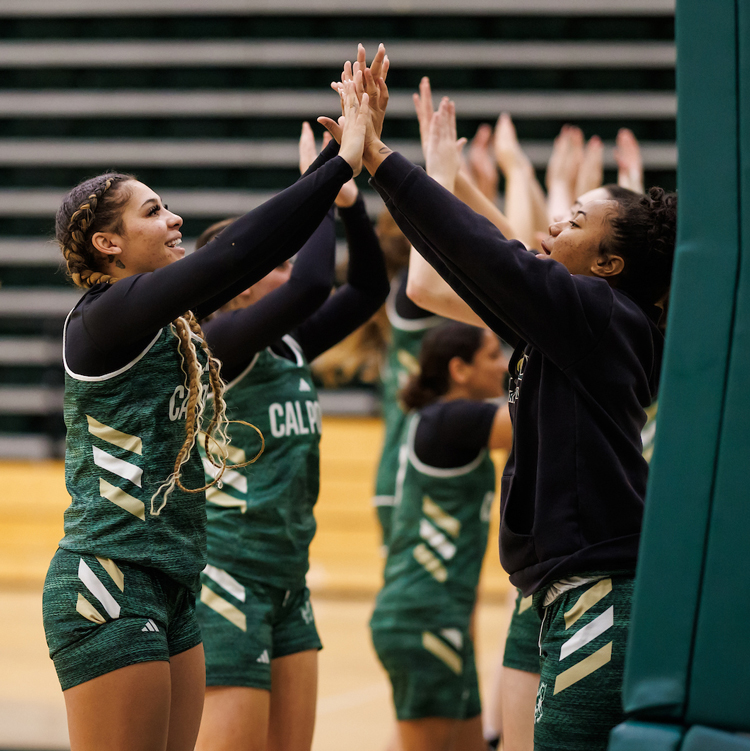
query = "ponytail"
x=439 y=347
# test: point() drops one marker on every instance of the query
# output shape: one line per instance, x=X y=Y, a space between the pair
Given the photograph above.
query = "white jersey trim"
x=443 y=472
x=407 y=324
x=106 y=376
x=242 y=374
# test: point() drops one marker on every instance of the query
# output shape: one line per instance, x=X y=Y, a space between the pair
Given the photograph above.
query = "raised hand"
x=629 y=161
x=443 y=151
x=481 y=162
x=423 y=106
x=591 y=170
x=307 y=151
x=562 y=171
x=374 y=83
x=352 y=126
x=508 y=152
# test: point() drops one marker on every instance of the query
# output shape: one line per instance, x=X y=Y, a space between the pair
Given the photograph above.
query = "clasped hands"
x=364 y=96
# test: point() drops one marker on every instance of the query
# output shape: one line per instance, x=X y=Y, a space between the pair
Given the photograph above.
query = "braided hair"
x=644 y=235
x=96 y=206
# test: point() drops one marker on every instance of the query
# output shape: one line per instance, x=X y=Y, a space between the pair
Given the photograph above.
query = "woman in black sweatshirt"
x=586 y=365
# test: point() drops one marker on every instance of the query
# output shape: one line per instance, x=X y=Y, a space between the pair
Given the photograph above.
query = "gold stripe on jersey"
x=230 y=477
x=122 y=499
x=114 y=436
x=114 y=571
x=525 y=604
x=431 y=562
x=214 y=495
x=587 y=601
x=88 y=611
x=225 y=609
x=445 y=521
x=443 y=652
x=234 y=455
x=585 y=667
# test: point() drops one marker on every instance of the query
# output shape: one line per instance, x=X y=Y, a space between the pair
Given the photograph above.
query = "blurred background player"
x=255 y=613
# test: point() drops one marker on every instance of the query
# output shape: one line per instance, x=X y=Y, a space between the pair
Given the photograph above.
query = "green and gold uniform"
x=121 y=564
x=254 y=604
x=420 y=626
x=402 y=361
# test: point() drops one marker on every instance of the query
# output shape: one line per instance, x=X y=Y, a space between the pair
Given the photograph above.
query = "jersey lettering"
x=289 y=418
x=302 y=429
x=181 y=396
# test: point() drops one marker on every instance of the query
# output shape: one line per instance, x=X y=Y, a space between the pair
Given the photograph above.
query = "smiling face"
x=576 y=243
x=148 y=236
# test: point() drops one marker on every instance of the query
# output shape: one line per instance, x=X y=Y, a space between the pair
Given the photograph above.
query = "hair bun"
x=662 y=234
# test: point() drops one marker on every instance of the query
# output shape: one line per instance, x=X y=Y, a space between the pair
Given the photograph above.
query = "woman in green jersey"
x=119 y=597
x=260 y=639
x=445 y=486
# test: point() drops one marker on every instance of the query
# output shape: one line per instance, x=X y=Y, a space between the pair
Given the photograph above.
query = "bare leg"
x=235 y=718
x=518 y=700
x=468 y=735
x=188 y=676
x=125 y=710
x=294 y=694
x=428 y=734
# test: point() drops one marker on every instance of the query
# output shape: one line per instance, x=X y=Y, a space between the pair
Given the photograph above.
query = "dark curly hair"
x=644 y=234
x=439 y=347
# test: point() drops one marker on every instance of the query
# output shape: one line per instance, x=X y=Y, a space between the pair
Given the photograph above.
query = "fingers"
x=307 y=152
x=333 y=127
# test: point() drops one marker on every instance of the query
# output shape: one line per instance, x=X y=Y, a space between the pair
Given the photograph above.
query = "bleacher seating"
x=203 y=99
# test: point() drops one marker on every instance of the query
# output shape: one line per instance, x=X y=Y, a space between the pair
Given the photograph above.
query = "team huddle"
x=176 y=609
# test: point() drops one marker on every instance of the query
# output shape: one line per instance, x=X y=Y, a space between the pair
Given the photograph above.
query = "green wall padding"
x=720 y=680
x=707 y=739
x=692 y=395
x=638 y=736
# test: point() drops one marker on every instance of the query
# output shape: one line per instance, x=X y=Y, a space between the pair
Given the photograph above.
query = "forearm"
x=427 y=288
x=476 y=200
x=526 y=293
x=237 y=336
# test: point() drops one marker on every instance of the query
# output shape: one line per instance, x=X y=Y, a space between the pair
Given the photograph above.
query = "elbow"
x=417 y=293
x=318 y=293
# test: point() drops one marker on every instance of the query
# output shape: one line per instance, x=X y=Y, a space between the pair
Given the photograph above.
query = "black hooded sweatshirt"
x=585 y=367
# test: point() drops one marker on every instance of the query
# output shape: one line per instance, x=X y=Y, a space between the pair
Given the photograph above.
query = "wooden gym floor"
x=354 y=709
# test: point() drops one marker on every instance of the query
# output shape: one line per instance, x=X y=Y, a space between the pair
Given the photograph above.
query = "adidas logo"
x=304 y=385
x=150 y=626
x=264 y=658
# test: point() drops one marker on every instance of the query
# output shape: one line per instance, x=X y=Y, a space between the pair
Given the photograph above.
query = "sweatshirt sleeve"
x=136 y=307
x=560 y=314
x=365 y=290
x=235 y=337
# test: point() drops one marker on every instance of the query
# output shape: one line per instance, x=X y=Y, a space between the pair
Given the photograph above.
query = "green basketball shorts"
x=522 y=642
x=101 y=615
x=246 y=624
x=584 y=634
x=432 y=673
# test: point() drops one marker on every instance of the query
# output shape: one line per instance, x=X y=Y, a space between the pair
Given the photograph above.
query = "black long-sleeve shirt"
x=302 y=305
x=586 y=365
x=113 y=324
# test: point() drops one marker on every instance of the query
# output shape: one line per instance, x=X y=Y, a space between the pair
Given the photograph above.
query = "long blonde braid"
x=96 y=205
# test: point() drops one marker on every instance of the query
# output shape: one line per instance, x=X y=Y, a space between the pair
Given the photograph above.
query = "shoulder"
x=453 y=434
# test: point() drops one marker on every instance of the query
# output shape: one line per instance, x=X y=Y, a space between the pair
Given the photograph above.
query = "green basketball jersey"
x=402 y=361
x=438 y=539
x=124 y=431
x=260 y=522
x=649 y=431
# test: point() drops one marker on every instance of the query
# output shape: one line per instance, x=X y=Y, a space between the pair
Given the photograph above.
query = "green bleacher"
x=203 y=100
